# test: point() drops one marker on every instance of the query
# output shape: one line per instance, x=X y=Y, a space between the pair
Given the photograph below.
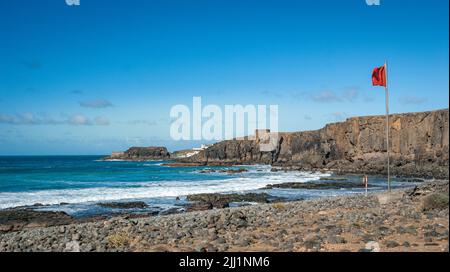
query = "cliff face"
x=141 y=154
x=418 y=141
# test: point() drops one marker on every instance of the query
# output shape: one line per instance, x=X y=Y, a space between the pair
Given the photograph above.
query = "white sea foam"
x=156 y=189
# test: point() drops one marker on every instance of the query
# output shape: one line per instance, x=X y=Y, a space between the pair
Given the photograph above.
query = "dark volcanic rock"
x=228 y=171
x=209 y=201
x=199 y=206
x=334 y=178
x=326 y=224
x=124 y=205
x=391 y=244
x=420 y=147
x=315 y=185
x=141 y=154
x=19 y=218
x=183 y=164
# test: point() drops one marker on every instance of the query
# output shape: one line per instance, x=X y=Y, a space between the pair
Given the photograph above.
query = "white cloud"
x=79 y=120
x=28 y=118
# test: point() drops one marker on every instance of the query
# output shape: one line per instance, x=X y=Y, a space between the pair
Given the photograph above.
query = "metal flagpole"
x=387 y=125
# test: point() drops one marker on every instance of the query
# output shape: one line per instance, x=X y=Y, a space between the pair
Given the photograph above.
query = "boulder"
x=217 y=200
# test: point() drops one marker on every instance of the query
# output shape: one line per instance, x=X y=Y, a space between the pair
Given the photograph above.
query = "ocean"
x=76 y=184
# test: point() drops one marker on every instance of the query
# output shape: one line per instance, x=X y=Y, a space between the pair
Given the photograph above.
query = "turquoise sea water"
x=79 y=182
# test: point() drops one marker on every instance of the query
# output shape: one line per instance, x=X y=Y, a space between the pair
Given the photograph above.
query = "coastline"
x=419 y=147
x=403 y=220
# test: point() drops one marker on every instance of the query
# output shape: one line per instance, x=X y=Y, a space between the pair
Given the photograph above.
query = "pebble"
x=392 y=244
x=297 y=226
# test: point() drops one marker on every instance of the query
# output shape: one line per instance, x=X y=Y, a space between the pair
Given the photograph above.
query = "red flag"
x=379 y=76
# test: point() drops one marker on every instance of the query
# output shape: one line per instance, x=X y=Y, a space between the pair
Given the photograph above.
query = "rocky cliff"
x=419 y=147
x=141 y=154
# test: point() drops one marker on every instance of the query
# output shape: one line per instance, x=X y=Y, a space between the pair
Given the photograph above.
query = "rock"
x=288 y=246
x=238 y=219
x=432 y=233
x=435 y=201
x=333 y=178
x=243 y=242
x=141 y=154
x=72 y=246
x=335 y=239
x=217 y=200
x=372 y=246
x=220 y=240
x=76 y=237
x=316 y=185
x=310 y=225
x=228 y=171
x=62 y=229
x=211 y=248
x=222 y=248
x=312 y=241
x=412 y=180
x=19 y=218
x=384 y=231
x=200 y=248
x=356 y=145
x=236 y=171
x=124 y=205
x=199 y=206
x=89 y=247
x=391 y=244
x=183 y=164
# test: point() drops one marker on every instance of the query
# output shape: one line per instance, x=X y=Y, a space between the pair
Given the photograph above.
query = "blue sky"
x=103 y=76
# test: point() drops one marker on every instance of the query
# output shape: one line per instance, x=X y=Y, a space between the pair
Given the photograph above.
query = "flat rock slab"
x=124 y=205
x=183 y=164
x=19 y=218
x=217 y=200
x=317 y=185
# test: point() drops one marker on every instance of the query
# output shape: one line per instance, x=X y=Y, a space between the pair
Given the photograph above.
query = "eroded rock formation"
x=141 y=154
x=419 y=147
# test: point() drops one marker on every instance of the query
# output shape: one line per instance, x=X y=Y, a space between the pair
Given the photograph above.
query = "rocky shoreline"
x=404 y=220
x=40 y=215
x=419 y=147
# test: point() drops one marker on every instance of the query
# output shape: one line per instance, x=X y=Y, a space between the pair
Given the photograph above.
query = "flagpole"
x=387 y=126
